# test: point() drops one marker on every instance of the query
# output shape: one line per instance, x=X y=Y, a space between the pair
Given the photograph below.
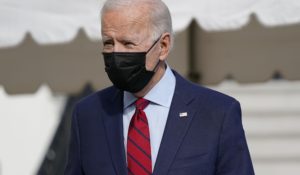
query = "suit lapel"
x=113 y=122
x=176 y=126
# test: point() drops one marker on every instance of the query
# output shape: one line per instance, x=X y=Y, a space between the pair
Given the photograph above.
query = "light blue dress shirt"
x=160 y=97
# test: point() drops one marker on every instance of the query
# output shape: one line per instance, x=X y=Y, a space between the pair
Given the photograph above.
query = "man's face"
x=129 y=31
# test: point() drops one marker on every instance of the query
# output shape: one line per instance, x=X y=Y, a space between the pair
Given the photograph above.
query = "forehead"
x=129 y=22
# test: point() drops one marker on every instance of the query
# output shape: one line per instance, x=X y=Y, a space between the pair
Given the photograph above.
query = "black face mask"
x=127 y=70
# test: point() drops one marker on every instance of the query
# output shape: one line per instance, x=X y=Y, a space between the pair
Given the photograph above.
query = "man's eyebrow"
x=128 y=39
x=134 y=40
x=106 y=38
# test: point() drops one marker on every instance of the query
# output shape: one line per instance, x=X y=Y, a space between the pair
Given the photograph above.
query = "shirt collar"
x=161 y=93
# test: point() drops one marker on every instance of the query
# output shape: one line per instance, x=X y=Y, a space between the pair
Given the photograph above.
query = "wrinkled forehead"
x=125 y=19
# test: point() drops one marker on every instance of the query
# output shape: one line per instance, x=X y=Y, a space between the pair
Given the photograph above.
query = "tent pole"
x=193 y=73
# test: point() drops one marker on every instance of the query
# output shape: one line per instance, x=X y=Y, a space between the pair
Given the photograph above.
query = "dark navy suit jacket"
x=209 y=141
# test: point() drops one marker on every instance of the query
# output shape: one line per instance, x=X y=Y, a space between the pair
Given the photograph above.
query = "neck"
x=160 y=71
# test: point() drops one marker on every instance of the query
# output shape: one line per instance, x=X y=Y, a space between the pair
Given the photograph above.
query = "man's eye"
x=129 y=44
x=107 y=43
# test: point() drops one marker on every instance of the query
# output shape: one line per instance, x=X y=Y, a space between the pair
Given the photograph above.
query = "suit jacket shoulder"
x=212 y=98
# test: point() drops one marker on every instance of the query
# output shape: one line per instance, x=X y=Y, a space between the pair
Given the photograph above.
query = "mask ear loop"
x=155 y=42
x=156 y=65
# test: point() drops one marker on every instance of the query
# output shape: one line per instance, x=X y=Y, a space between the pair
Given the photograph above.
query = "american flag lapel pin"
x=183 y=114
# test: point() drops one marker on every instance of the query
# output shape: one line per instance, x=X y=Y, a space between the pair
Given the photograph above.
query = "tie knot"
x=141 y=103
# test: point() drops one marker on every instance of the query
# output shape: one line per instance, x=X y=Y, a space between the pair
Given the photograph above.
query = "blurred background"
x=50 y=57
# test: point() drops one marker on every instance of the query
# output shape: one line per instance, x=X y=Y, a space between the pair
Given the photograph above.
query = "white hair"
x=159 y=13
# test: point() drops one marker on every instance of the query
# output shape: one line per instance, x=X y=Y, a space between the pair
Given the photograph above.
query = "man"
x=152 y=121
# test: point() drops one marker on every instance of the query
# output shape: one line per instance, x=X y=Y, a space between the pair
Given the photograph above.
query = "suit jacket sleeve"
x=233 y=153
x=73 y=166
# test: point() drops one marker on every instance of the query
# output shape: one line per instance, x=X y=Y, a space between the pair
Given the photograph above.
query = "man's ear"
x=165 y=46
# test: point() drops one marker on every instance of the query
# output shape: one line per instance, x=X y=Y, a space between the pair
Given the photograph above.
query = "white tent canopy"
x=56 y=42
x=57 y=21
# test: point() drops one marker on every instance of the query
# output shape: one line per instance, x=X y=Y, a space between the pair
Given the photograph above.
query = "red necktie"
x=138 y=142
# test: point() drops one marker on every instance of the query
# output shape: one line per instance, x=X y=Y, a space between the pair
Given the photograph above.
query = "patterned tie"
x=138 y=142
